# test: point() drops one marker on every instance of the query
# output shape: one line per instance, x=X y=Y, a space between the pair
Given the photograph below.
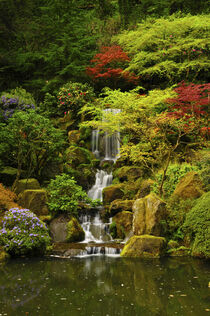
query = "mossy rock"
x=119 y=206
x=128 y=173
x=123 y=221
x=75 y=156
x=146 y=246
x=179 y=252
x=112 y=192
x=149 y=213
x=189 y=187
x=26 y=184
x=35 y=201
x=145 y=188
x=74 y=136
x=75 y=232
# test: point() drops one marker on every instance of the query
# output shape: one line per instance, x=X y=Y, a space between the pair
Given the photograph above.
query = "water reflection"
x=105 y=286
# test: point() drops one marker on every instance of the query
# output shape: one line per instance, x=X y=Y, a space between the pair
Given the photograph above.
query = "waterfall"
x=103 y=179
x=112 y=142
x=95 y=143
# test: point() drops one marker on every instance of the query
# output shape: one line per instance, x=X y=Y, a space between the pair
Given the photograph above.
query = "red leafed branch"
x=109 y=64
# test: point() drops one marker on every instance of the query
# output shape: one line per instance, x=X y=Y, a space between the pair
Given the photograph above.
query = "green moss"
x=179 y=252
x=144 y=246
x=113 y=230
x=3 y=255
x=74 y=231
x=26 y=184
x=197 y=226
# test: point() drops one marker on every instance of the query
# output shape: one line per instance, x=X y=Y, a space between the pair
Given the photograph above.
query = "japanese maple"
x=108 y=67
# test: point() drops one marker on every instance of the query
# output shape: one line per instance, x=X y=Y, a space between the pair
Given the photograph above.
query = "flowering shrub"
x=8 y=106
x=73 y=95
x=23 y=233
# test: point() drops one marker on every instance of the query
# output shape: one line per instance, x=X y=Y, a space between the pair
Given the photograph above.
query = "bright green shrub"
x=23 y=233
x=197 y=226
x=65 y=194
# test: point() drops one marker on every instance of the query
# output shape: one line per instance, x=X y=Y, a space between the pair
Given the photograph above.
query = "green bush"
x=72 y=96
x=65 y=194
x=197 y=226
x=23 y=233
x=174 y=173
x=113 y=230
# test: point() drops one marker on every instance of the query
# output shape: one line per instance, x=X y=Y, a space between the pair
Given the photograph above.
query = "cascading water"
x=95 y=229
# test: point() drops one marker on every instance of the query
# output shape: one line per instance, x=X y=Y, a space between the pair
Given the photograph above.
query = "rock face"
x=74 y=231
x=35 y=200
x=189 y=187
x=148 y=213
x=123 y=221
x=120 y=205
x=63 y=229
x=144 y=246
x=113 y=192
x=129 y=173
x=26 y=184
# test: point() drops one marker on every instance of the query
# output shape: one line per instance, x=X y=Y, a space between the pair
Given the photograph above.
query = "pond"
x=105 y=286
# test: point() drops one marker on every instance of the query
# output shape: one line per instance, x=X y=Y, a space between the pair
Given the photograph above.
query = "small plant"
x=65 y=194
x=23 y=233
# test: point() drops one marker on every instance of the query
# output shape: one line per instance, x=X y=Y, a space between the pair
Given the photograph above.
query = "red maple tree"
x=190 y=107
x=108 y=67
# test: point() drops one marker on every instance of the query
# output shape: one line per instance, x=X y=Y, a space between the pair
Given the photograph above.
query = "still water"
x=105 y=286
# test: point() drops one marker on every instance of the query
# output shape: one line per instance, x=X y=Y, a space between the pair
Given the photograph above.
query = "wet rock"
x=120 y=205
x=113 y=192
x=123 y=222
x=148 y=214
x=26 y=184
x=34 y=200
x=144 y=246
x=189 y=187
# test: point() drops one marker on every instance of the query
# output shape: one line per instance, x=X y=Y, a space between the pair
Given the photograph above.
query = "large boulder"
x=144 y=246
x=113 y=192
x=189 y=187
x=66 y=229
x=120 y=205
x=26 y=184
x=34 y=200
x=148 y=214
x=123 y=224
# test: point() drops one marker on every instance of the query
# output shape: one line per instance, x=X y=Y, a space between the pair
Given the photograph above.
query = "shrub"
x=197 y=226
x=17 y=99
x=23 y=233
x=72 y=96
x=65 y=195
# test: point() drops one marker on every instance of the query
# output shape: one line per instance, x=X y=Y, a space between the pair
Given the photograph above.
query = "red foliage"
x=7 y=198
x=108 y=65
x=192 y=100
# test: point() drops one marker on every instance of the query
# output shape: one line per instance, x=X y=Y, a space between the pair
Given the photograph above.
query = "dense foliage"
x=64 y=195
x=23 y=233
x=197 y=225
x=31 y=142
x=168 y=50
